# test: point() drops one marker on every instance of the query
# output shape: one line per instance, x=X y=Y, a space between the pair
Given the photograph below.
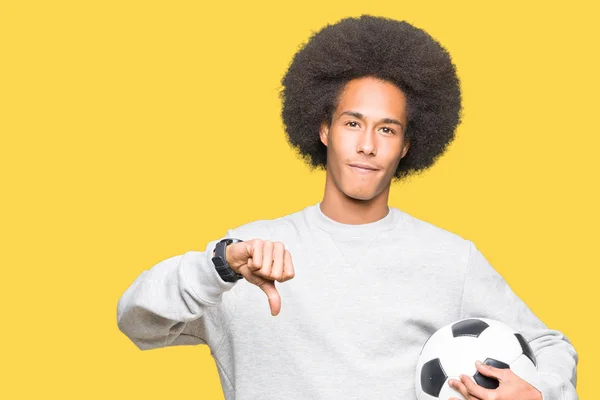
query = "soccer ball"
x=453 y=349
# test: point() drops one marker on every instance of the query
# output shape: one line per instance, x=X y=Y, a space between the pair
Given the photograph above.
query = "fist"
x=261 y=263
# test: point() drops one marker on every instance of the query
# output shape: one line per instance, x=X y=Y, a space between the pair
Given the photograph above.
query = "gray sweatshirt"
x=353 y=320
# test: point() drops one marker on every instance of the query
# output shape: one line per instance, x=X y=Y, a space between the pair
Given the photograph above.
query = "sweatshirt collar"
x=329 y=225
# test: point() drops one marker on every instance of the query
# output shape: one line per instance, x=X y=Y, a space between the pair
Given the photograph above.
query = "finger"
x=459 y=387
x=267 y=261
x=474 y=389
x=462 y=389
x=256 y=251
x=488 y=370
x=288 y=267
x=273 y=295
x=277 y=269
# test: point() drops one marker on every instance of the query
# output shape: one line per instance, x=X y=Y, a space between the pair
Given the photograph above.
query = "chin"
x=359 y=195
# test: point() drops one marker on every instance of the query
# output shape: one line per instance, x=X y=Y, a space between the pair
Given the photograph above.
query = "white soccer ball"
x=453 y=349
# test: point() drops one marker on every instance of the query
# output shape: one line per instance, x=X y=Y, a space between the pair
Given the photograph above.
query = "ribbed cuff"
x=202 y=278
x=551 y=387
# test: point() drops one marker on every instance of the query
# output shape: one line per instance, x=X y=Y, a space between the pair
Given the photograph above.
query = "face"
x=365 y=141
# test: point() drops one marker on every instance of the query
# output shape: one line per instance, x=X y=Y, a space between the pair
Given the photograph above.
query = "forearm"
x=155 y=309
x=487 y=294
x=557 y=366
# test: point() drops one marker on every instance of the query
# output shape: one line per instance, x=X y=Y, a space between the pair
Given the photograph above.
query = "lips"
x=363 y=167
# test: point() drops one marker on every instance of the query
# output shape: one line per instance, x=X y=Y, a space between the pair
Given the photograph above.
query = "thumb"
x=273 y=295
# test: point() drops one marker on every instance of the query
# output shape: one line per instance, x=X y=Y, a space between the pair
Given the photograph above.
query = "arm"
x=486 y=294
x=164 y=306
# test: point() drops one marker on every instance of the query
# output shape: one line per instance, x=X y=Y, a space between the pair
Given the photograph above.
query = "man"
x=371 y=100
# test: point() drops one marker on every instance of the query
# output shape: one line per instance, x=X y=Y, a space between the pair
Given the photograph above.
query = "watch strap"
x=220 y=261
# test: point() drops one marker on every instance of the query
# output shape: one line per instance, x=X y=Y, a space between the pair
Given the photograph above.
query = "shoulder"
x=427 y=230
x=434 y=239
x=271 y=229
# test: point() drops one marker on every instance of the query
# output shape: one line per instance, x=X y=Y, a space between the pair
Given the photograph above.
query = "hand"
x=261 y=263
x=511 y=386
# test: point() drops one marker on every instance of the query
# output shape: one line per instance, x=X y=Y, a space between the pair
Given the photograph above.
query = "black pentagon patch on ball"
x=486 y=381
x=469 y=327
x=526 y=348
x=433 y=377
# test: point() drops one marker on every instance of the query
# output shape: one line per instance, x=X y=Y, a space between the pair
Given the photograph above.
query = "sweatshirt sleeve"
x=486 y=294
x=164 y=306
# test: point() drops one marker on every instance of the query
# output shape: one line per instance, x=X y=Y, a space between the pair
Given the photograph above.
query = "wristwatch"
x=220 y=261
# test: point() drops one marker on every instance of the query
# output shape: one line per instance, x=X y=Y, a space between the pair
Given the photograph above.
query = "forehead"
x=372 y=97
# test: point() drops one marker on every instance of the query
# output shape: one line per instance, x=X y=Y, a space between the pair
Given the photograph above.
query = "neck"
x=347 y=210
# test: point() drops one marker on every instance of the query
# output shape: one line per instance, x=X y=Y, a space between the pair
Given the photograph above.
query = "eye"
x=349 y=123
x=389 y=130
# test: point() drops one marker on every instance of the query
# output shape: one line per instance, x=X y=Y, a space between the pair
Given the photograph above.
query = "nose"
x=366 y=142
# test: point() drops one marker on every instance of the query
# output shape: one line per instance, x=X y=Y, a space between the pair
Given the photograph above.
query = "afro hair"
x=386 y=49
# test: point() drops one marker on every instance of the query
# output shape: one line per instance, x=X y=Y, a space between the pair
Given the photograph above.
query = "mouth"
x=363 y=168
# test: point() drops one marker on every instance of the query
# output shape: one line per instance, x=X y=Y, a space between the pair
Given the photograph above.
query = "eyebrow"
x=384 y=120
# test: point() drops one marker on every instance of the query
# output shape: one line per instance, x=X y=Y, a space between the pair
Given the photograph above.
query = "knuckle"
x=278 y=254
x=275 y=278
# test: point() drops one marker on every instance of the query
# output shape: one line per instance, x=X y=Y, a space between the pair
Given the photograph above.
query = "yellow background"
x=135 y=131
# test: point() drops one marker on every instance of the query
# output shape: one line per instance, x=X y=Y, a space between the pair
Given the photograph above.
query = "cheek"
x=391 y=162
x=391 y=154
x=343 y=152
x=394 y=158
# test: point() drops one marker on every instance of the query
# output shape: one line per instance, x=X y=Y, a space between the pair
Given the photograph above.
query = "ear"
x=405 y=149
x=324 y=133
